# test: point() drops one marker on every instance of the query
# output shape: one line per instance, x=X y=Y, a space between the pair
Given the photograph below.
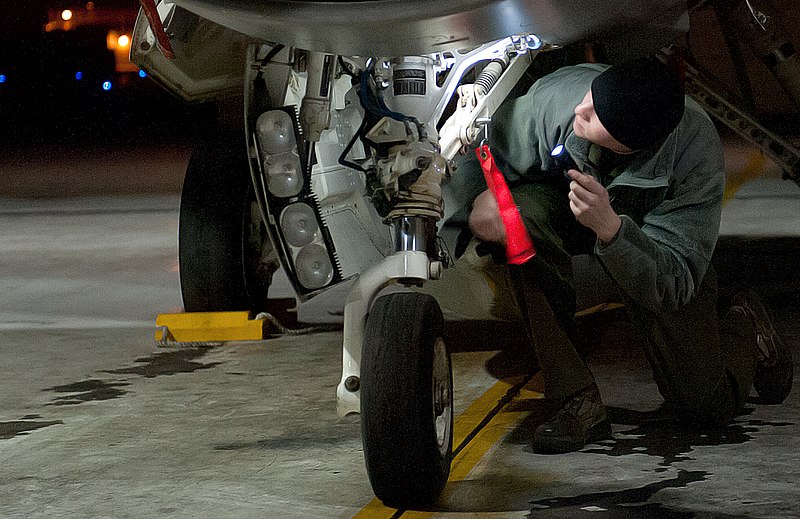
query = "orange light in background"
x=120 y=44
x=111 y=40
x=90 y=6
x=66 y=15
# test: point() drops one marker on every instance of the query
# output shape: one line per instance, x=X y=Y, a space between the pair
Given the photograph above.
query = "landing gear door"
x=209 y=58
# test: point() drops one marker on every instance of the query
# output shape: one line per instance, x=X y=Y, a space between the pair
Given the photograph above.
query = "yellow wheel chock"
x=208 y=327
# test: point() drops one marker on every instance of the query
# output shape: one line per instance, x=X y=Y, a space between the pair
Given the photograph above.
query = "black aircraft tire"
x=406 y=415
x=225 y=257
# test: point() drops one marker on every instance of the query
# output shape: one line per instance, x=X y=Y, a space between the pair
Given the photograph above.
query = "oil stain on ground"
x=168 y=363
x=670 y=440
x=631 y=503
x=87 y=391
x=22 y=427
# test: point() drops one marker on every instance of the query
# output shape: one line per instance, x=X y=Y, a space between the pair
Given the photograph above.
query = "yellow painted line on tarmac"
x=376 y=510
x=752 y=170
x=475 y=432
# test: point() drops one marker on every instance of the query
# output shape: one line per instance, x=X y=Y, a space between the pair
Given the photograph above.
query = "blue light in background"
x=78 y=75
x=142 y=73
x=3 y=78
x=107 y=86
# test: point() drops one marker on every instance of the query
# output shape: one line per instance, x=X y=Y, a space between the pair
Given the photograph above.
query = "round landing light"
x=275 y=131
x=107 y=85
x=313 y=266
x=299 y=225
x=284 y=174
x=66 y=15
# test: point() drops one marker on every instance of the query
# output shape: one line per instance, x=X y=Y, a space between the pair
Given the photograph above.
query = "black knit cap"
x=639 y=102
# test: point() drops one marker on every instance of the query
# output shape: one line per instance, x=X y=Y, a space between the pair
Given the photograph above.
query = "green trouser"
x=703 y=365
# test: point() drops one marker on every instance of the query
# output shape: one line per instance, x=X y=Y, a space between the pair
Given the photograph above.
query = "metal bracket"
x=401 y=265
x=463 y=127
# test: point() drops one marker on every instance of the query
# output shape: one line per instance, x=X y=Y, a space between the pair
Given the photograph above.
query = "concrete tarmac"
x=96 y=421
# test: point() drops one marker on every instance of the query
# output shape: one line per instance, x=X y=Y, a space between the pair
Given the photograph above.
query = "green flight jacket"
x=669 y=198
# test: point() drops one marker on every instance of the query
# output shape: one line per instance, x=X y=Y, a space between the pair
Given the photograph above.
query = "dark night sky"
x=41 y=101
x=26 y=17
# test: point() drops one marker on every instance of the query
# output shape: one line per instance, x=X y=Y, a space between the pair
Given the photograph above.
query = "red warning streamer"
x=519 y=247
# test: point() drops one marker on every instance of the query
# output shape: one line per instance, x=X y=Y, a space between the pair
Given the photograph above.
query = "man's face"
x=588 y=126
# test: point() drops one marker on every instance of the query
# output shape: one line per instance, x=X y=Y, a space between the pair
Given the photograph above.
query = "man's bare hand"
x=590 y=204
x=485 y=221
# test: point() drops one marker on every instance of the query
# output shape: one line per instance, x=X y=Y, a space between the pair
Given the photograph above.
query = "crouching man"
x=644 y=196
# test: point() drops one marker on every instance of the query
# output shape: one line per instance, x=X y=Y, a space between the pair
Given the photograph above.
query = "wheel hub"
x=442 y=396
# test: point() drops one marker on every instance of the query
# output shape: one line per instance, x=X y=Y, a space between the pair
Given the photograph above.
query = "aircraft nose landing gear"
x=398 y=350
